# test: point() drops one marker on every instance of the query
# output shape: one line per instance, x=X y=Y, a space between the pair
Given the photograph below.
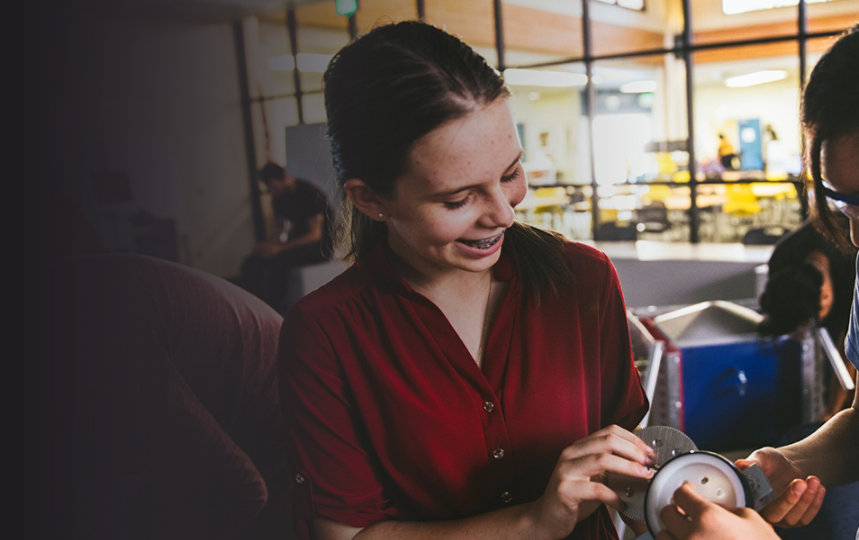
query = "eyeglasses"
x=847 y=204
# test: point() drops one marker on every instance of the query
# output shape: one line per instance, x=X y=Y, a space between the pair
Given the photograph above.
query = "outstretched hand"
x=798 y=499
x=692 y=517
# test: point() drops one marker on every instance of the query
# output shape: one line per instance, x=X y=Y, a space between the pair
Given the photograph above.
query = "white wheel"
x=715 y=478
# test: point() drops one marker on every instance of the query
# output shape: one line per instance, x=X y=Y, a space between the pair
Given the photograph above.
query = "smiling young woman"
x=468 y=376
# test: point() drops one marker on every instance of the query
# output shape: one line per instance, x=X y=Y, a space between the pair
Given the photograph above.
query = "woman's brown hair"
x=830 y=109
x=389 y=88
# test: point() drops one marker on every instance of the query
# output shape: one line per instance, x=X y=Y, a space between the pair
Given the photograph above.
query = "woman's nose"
x=499 y=212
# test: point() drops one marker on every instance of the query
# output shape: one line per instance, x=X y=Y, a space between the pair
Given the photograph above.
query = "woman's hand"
x=577 y=485
x=693 y=517
x=798 y=499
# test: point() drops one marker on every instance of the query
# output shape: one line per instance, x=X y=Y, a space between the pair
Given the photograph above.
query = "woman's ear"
x=364 y=199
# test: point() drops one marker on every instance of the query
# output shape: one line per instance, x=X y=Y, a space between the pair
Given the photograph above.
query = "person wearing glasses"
x=829 y=456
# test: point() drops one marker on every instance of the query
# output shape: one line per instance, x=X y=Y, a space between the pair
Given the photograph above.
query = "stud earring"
x=381 y=215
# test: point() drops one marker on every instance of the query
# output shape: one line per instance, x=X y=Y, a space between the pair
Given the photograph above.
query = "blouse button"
x=299 y=479
x=506 y=496
x=498 y=453
x=488 y=406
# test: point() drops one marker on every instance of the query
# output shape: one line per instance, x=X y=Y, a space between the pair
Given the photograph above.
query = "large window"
x=639 y=120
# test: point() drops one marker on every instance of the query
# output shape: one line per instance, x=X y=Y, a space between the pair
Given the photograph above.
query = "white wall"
x=559 y=113
x=717 y=108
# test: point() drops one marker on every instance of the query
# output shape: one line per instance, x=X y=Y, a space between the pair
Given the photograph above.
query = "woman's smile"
x=483 y=243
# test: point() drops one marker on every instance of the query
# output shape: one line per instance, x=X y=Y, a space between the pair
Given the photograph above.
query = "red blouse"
x=390 y=418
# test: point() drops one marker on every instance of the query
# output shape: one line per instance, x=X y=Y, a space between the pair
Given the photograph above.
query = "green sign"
x=347 y=7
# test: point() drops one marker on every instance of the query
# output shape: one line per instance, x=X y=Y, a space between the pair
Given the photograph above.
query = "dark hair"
x=792 y=293
x=830 y=109
x=271 y=171
x=389 y=88
x=791 y=298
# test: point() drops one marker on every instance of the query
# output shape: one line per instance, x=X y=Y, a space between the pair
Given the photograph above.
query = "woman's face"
x=449 y=210
x=840 y=168
x=827 y=293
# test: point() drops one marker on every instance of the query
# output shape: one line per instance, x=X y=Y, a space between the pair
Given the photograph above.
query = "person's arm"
x=800 y=470
x=575 y=491
x=314 y=232
x=829 y=453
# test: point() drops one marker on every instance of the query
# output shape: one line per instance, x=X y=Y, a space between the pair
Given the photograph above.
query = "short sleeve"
x=332 y=469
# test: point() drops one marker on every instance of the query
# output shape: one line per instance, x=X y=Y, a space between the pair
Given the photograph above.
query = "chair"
x=613 y=232
x=741 y=201
x=159 y=404
x=653 y=218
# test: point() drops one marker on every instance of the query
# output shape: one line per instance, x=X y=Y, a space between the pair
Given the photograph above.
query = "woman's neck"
x=434 y=282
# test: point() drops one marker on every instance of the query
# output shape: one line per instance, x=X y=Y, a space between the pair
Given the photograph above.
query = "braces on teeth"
x=483 y=244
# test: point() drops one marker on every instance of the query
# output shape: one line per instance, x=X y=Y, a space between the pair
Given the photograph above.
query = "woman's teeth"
x=484 y=243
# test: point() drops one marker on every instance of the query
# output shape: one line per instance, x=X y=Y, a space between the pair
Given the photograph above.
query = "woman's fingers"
x=798 y=505
x=744 y=464
x=689 y=501
x=808 y=505
x=575 y=490
x=595 y=466
x=614 y=440
x=778 y=509
x=675 y=521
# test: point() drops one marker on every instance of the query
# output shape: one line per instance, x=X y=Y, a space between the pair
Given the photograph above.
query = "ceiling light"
x=638 y=87
x=755 y=78
x=732 y=7
x=539 y=77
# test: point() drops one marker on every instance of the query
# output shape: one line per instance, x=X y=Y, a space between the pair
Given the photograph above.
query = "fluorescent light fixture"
x=638 y=87
x=732 y=7
x=755 y=78
x=284 y=62
x=539 y=77
x=313 y=63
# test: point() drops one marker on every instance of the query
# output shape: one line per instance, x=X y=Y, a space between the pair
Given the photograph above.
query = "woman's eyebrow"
x=515 y=161
x=442 y=194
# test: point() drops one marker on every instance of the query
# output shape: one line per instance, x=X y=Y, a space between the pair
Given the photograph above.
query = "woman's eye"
x=513 y=176
x=453 y=205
